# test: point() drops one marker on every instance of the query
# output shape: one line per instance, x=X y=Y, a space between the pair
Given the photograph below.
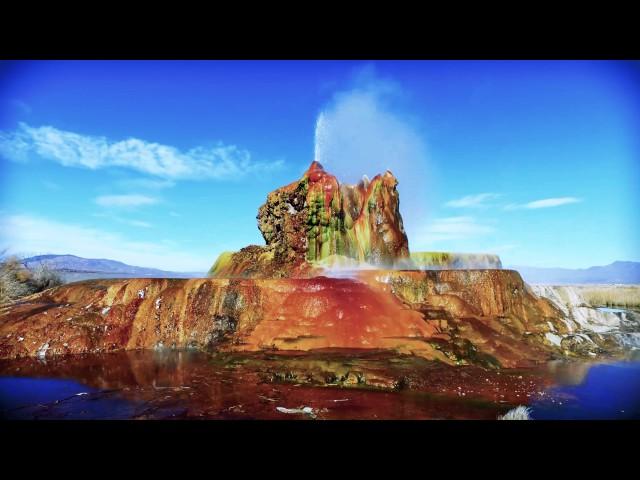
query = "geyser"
x=317 y=222
x=359 y=134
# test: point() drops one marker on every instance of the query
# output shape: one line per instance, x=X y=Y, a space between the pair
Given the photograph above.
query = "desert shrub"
x=519 y=413
x=13 y=279
x=43 y=277
x=17 y=281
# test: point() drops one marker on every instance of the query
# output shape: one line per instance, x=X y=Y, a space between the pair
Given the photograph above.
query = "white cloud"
x=452 y=228
x=545 y=203
x=472 y=201
x=127 y=221
x=95 y=152
x=132 y=200
x=138 y=223
x=148 y=183
x=25 y=234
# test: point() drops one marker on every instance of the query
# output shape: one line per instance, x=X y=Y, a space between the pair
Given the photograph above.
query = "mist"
x=363 y=131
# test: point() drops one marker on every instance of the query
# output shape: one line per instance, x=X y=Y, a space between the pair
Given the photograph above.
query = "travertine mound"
x=485 y=317
x=315 y=218
x=589 y=329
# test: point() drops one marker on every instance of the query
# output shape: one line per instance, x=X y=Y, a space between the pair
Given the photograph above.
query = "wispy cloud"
x=139 y=223
x=21 y=106
x=133 y=200
x=94 y=152
x=453 y=228
x=145 y=183
x=472 y=201
x=126 y=221
x=26 y=234
x=49 y=185
x=544 y=203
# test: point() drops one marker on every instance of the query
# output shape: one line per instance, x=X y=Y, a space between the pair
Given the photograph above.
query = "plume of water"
x=320 y=134
x=358 y=133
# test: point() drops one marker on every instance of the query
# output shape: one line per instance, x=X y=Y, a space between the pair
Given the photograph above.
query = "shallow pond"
x=192 y=385
x=607 y=391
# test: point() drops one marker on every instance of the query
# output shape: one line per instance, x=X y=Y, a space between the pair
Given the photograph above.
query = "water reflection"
x=189 y=384
x=568 y=373
x=606 y=391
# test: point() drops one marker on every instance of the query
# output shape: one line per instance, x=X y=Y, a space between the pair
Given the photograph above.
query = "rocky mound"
x=275 y=297
x=316 y=218
x=482 y=317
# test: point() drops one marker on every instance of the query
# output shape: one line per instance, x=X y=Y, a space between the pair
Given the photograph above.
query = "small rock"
x=42 y=351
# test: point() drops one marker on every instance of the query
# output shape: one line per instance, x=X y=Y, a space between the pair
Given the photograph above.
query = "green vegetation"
x=426 y=259
x=627 y=296
x=223 y=261
x=16 y=281
x=446 y=260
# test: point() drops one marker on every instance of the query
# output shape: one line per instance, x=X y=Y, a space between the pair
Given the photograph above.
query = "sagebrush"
x=17 y=281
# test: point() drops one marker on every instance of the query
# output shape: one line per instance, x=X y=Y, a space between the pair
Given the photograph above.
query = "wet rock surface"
x=458 y=317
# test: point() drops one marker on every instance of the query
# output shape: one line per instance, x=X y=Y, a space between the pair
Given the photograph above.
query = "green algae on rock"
x=317 y=218
x=448 y=260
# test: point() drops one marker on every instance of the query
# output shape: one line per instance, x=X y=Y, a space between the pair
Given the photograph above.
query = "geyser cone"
x=317 y=219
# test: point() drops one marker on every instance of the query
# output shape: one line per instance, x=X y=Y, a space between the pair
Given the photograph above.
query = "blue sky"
x=164 y=164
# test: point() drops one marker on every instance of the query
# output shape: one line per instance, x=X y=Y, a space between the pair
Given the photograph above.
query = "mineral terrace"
x=285 y=296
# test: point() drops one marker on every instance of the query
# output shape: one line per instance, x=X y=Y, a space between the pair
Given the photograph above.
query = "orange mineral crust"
x=322 y=312
x=484 y=317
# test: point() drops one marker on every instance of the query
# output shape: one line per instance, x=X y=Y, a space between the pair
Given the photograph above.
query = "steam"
x=361 y=133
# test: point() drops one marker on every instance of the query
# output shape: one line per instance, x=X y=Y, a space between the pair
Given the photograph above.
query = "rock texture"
x=479 y=317
x=276 y=298
x=588 y=329
x=317 y=218
x=449 y=261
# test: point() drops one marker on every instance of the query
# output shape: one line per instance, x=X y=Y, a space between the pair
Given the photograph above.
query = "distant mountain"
x=74 y=268
x=617 y=272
